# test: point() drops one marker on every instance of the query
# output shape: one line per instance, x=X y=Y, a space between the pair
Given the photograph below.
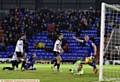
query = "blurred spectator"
x=32 y=21
x=52 y=31
x=66 y=47
x=39 y=45
x=51 y=28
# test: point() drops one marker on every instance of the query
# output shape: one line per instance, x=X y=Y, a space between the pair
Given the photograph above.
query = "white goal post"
x=112 y=9
x=102 y=41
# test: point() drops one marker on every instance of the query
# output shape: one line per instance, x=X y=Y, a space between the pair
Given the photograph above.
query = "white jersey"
x=19 y=46
x=58 y=46
x=14 y=57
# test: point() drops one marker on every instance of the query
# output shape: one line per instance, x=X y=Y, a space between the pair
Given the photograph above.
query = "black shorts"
x=14 y=63
x=19 y=54
x=56 y=53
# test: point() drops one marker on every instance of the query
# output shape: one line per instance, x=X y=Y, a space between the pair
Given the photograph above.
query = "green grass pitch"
x=45 y=74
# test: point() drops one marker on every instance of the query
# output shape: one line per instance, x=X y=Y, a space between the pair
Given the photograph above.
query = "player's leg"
x=19 y=56
x=23 y=67
x=10 y=68
x=31 y=66
x=77 y=68
x=59 y=59
x=54 y=61
x=23 y=60
x=16 y=65
x=80 y=69
x=91 y=62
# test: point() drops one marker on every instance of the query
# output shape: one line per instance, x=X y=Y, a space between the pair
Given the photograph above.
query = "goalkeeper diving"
x=77 y=68
x=90 y=50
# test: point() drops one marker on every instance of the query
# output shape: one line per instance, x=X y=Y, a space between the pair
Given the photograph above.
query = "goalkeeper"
x=90 y=52
x=77 y=68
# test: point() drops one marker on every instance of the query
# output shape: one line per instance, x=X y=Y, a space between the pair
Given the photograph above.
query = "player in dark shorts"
x=19 y=50
x=57 y=51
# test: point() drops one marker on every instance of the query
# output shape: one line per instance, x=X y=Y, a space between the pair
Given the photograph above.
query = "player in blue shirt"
x=29 y=65
x=90 y=50
x=31 y=62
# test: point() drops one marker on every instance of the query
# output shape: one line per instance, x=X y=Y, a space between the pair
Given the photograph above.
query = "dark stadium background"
x=62 y=4
x=11 y=29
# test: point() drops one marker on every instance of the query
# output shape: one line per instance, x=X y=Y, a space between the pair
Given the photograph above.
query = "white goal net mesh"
x=111 y=57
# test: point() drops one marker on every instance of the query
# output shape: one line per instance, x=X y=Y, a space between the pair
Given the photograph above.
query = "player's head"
x=86 y=38
x=61 y=36
x=23 y=36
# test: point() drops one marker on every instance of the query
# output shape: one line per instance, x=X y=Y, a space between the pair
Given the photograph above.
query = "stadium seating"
x=76 y=51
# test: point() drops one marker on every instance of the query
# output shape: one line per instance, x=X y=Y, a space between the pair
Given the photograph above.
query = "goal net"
x=110 y=43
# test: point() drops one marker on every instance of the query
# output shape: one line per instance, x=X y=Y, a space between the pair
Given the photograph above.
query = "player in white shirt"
x=19 y=50
x=57 y=51
x=19 y=46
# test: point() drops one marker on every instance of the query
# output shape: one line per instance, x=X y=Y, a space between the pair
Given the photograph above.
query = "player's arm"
x=59 y=48
x=95 y=49
x=21 y=44
x=79 y=40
